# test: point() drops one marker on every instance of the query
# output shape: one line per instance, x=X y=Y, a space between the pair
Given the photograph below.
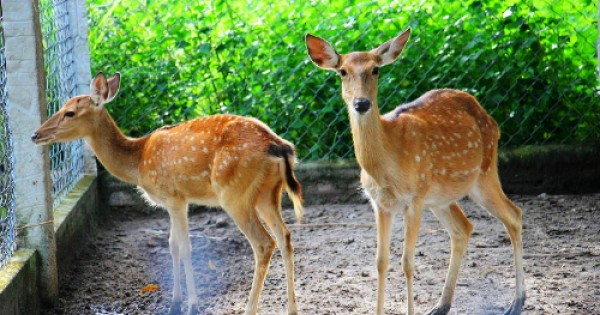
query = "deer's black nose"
x=35 y=136
x=362 y=105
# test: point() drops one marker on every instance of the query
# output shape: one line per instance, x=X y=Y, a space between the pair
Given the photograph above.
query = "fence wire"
x=532 y=64
x=7 y=204
x=66 y=158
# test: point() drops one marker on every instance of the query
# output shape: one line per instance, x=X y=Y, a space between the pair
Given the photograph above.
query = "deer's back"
x=454 y=127
x=200 y=158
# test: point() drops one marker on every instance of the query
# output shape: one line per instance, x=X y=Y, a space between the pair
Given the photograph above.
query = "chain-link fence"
x=66 y=158
x=531 y=63
x=7 y=204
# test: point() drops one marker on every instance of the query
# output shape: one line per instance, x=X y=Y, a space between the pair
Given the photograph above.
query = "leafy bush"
x=531 y=63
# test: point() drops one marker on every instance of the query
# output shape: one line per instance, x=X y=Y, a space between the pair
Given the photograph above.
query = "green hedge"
x=531 y=63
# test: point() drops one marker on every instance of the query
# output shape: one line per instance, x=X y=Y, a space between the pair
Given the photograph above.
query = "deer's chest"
x=387 y=193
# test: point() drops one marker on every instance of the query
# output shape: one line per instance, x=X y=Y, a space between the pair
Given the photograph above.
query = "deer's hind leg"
x=246 y=218
x=460 y=228
x=488 y=193
x=269 y=207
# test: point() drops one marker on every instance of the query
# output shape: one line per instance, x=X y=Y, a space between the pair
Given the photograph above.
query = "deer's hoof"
x=516 y=307
x=439 y=310
x=193 y=310
x=175 y=308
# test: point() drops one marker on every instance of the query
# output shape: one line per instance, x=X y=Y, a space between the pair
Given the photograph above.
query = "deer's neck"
x=370 y=141
x=120 y=154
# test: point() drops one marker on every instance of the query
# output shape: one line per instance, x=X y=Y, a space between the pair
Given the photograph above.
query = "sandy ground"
x=335 y=263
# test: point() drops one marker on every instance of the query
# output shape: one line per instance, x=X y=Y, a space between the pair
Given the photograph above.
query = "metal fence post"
x=27 y=109
x=81 y=57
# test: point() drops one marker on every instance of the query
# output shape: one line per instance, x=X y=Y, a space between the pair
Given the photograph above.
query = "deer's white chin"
x=44 y=141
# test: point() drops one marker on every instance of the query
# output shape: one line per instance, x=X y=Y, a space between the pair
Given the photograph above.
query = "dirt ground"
x=335 y=263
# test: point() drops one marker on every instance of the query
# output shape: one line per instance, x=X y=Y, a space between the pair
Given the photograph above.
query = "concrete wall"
x=18 y=284
x=25 y=85
x=75 y=220
x=26 y=91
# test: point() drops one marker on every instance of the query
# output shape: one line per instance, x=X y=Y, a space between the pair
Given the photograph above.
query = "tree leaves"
x=185 y=59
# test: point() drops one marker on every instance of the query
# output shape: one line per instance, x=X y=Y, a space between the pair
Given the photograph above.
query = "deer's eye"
x=70 y=114
x=376 y=71
x=343 y=72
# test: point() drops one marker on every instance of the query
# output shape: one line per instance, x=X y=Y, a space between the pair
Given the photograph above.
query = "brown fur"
x=220 y=160
x=425 y=154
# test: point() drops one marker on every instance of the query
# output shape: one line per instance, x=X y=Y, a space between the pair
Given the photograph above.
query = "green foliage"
x=531 y=63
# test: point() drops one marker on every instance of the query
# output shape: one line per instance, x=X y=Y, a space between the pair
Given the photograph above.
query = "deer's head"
x=359 y=71
x=76 y=118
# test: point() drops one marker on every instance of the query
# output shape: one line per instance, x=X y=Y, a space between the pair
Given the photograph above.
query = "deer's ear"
x=321 y=52
x=114 y=83
x=99 y=89
x=391 y=49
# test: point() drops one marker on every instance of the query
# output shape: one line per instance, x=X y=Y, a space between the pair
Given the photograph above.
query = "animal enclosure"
x=533 y=65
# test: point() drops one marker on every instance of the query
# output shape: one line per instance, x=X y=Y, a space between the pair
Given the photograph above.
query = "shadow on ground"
x=335 y=263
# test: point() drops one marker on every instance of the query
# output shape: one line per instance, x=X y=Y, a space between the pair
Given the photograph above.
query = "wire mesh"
x=66 y=158
x=7 y=204
x=530 y=63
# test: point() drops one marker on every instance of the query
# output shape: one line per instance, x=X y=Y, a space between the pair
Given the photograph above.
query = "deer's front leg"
x=412 y=224
x=384 y=226
x=175 y=308
x=181 y=251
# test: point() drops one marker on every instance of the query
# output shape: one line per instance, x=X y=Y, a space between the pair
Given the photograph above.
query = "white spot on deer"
x=193 y=148
x=418 y=158
x=422 y=176
x=465 y=152
x=414 y=134
x=443 y=171
x=185 y=159
x=205 y=150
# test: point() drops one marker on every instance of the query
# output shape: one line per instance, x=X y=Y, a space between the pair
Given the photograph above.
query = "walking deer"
x=427 y=153
x=234 y=162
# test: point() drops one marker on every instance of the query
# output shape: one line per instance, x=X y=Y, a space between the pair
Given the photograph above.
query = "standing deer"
x=230 y=161
x=427 y=153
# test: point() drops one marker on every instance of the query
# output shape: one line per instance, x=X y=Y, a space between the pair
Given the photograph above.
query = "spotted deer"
x=234 y=162
x=428 y=153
